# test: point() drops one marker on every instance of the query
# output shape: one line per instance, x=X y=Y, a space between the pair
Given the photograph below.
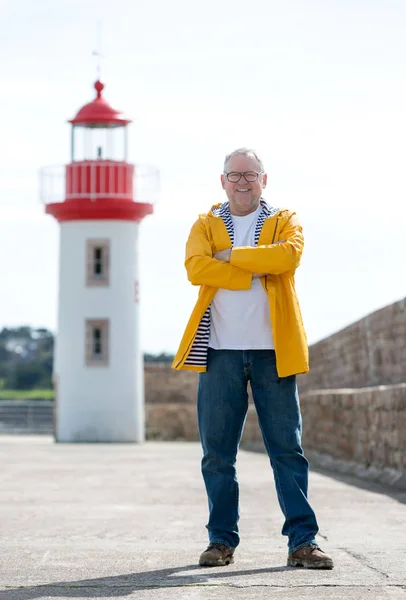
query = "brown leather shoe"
x=216 y=555
x=310 y=557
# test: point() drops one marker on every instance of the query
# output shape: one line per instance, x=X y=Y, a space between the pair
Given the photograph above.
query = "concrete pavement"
x=127 y=521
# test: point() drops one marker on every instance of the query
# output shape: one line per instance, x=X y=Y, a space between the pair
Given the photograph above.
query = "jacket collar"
x=223 y=211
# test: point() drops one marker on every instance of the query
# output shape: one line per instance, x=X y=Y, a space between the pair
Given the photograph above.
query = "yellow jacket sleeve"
x=203 y=269
x=273 y=259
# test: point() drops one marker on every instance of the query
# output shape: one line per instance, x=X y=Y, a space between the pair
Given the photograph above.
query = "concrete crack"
x=364 y=561
x=228 y=585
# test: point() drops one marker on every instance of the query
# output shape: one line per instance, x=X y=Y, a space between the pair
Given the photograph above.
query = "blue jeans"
x=222 y=409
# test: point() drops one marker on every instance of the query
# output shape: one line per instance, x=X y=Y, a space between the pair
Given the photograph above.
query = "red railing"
x=99 y=179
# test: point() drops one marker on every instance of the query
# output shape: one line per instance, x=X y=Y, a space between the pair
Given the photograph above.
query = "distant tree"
x=26 y=357
x=163 y=357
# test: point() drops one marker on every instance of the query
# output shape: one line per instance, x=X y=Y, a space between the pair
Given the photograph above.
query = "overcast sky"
x=317 y=87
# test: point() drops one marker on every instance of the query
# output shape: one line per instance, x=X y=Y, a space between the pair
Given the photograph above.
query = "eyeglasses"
x=249 y=176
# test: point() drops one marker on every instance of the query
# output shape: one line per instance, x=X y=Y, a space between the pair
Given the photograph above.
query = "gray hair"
x=245 y=152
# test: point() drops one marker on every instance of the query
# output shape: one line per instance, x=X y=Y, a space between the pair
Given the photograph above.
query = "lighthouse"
x=98 y=364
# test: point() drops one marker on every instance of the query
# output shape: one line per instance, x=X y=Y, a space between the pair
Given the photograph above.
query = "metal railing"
x=26 y=416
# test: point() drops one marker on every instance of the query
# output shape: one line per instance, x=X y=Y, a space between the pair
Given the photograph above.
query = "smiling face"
x=243 y=195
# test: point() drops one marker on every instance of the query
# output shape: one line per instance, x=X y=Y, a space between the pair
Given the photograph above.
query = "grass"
x=38 y=394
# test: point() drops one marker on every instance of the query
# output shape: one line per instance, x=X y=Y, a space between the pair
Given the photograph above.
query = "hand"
x=223 y=255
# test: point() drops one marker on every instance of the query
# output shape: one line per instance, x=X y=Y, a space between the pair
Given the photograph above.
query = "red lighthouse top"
x=99 y=183
x=99 y=111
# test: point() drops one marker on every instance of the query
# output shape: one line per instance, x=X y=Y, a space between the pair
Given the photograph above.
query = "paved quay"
x=127 y=521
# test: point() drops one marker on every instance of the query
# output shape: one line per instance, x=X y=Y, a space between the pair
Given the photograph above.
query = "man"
x=247 y=326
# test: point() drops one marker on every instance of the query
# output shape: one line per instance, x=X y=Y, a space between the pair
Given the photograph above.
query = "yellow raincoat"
x=278 y=261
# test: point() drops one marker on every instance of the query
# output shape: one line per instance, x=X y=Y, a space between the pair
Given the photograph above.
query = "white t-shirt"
x=240 y=319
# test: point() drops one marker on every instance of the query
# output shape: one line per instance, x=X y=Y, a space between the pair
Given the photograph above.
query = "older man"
x=247 y=326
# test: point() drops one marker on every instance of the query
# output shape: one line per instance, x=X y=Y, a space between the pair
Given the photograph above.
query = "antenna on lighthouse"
x=98 y=51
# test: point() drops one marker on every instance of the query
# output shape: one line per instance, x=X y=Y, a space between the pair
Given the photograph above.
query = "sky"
x=316 y=87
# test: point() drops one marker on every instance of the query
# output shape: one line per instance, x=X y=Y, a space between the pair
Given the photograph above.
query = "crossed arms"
x=233 y=269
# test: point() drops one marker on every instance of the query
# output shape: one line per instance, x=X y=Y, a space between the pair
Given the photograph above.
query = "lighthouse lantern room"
x=98 y=364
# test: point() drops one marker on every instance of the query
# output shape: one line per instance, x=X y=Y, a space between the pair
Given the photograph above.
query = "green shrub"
x=35 y=394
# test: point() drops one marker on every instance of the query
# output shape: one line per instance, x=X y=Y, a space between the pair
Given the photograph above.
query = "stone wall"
x=366 y=426
x=178 y=421
x=163 y=384
x=171 y=421
x=358 y=431
x=370 y=352
x=353 y=401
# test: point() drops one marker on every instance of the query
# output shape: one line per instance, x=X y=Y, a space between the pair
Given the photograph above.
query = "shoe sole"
x=295 y=562
x=216 y=563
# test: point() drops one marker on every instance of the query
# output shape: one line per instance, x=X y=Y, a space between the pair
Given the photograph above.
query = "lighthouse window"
x=98 y=263
x=97 y=341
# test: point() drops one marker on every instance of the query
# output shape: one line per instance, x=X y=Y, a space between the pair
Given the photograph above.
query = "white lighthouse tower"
x=98 y=365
